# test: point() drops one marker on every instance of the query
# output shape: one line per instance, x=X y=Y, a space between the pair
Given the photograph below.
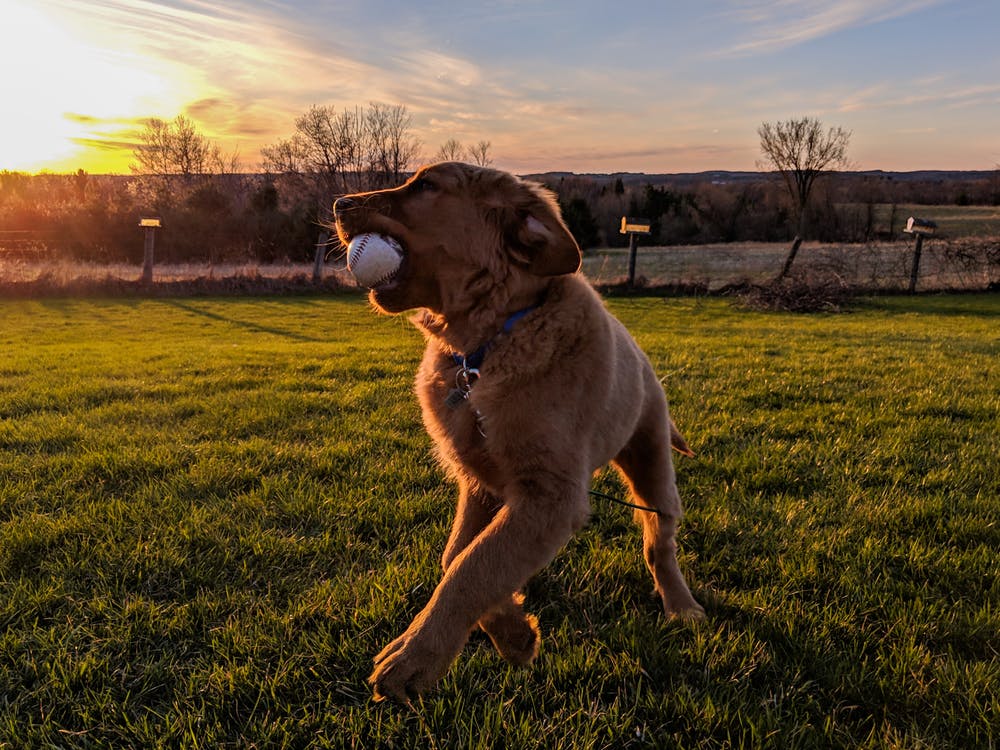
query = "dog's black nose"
x=342 y=204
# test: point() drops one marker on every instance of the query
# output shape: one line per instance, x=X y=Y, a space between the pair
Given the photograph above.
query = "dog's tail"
x=677 y=441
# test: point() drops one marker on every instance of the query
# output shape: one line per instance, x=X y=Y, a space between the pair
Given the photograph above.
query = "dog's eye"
x=423 y=185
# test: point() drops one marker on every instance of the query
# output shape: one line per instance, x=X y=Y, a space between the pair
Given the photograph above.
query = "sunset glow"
x=576 y=86
x=35 y=133
x=78 y=101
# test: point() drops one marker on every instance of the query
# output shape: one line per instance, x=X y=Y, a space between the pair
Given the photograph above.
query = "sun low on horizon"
x=73 y=103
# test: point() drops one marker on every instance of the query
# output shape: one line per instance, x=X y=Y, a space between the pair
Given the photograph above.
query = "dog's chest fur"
x=534 y=395
x=458 y=429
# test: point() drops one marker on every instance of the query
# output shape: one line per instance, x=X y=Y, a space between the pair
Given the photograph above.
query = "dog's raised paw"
x=408 y=667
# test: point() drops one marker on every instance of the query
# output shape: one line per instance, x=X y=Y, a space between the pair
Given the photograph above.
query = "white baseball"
x=373 y=258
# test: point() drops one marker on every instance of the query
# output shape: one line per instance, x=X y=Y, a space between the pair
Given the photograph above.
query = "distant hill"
x=723 y=177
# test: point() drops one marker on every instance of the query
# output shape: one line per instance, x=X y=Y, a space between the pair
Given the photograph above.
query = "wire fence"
x=945 y=265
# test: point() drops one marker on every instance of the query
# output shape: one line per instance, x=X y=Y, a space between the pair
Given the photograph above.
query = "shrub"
x=803 y=293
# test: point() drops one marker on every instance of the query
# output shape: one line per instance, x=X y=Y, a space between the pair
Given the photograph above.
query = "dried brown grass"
x=21 y=279
x=946 y=265
x=822 y=273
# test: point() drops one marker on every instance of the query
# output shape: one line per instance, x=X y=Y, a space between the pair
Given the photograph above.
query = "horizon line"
x=53 y=173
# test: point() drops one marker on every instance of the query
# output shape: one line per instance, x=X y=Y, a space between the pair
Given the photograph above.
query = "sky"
x=567 y=85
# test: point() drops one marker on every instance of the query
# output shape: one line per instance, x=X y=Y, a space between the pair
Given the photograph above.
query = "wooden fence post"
x=150 y=224
x=915 y=270
x=919 y=228
x=633 y=228
x=633 y=244
x=320 y=256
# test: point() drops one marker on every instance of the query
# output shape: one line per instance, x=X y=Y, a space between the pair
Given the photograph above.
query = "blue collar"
x=473 y=361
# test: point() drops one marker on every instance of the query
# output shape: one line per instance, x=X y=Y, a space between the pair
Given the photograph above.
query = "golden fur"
x=561 y=394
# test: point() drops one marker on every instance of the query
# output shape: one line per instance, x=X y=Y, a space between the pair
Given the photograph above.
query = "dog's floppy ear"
x=538 y=237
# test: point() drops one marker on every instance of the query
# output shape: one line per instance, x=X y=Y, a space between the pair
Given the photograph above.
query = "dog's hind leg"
x=648 y=467
x=514 y=633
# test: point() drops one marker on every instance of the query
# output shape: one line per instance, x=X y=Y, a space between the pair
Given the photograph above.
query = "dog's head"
x=463 y=230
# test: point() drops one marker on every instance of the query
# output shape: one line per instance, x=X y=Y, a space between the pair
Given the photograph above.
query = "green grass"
x=213 y=513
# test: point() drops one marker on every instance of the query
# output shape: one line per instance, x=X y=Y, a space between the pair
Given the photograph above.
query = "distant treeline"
x=278 y=217
x=754 y=207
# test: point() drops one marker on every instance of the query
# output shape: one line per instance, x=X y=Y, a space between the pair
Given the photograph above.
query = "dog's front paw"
x=691 y=613
x=679 y=604
x=411 y=664
x=682 y=606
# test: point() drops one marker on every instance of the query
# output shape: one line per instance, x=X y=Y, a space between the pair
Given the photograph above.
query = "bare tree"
x=480 y=154
x=284 y=157
x=451 y=150
x=340 y=152
x=800 y=150
x=317 y=134
x=351 y=137
x=323 y=149
x=178 y=148
x=174 y=160
x=391 y=147
x=190 y=150
x=224 y=164
x=152 y=154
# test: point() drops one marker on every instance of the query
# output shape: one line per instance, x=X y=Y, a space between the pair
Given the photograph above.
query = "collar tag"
x=465 y=378
x=455 y=398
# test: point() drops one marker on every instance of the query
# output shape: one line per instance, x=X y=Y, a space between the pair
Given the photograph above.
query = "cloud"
x=82 y=119
x=104 y=122
x=106 y=134
x=776 y=25
x=112 y=138
x=232 y=117
x=939 y=92
x=106 y=145
x=548 y=156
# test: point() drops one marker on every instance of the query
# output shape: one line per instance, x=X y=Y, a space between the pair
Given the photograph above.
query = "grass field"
x=952 y=221
x=882 y=266
x=213 y=513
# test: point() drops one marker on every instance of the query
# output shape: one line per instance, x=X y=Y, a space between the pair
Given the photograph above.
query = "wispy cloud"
x=612 y=159
x=116 y=136
x=120 y=147
x=223 y=115
x=776 y=25
x=82 y=119
x=937 y=92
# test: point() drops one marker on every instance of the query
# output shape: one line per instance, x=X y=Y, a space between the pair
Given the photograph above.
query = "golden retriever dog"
x=528 y=386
